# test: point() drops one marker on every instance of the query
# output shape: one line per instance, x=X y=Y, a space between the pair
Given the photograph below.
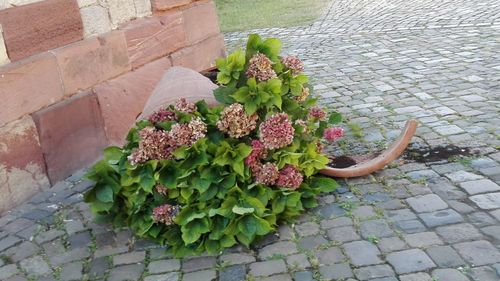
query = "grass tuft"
x=240 y=15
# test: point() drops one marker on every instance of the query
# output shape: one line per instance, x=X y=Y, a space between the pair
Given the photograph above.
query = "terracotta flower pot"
x=379 y=162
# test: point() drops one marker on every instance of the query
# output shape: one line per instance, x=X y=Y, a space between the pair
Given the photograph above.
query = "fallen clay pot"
x=379 y=162
x=179 y=82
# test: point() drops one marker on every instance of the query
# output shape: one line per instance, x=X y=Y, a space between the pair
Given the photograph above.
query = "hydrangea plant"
x=202 y=179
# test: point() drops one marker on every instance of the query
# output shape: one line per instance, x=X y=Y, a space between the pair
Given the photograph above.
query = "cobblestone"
x=336 y=271
x=267 y=268
x=458 y=233
x=442 y=217
x=330 y=256
x=372 y=272
x=233 y=273
x=445 y=256
x=423 y=240
x=478 y=252
x=362 y=253
x=156 y=267
x=449 y=274
x=427 y=203
x=379 y=63
x=410 y=261
x=479 y=186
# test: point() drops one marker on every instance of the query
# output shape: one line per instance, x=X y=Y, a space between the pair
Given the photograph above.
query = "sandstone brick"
x=89 y=62
x=71 y=134
x=4 y=58
x=28 y=85
x=22 y=2
x=152 y=38
x=162 y=5
x=4 y=4
x=40 y=26
x=142 y=8
x=201 y=22
x=121 y=11
x=95 y=20
x=86 y=3
x=202 y=55
x=123 y=98
x=22 y=168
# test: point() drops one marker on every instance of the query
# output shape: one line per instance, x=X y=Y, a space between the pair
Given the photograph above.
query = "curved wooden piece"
x=379 y=162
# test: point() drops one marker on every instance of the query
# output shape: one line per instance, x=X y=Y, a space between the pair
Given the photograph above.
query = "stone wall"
x=75 y=74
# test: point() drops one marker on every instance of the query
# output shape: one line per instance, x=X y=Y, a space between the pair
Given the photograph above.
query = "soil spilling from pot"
x=436 y=154
x=211 y=74
x=342 y=162
x=417 y=154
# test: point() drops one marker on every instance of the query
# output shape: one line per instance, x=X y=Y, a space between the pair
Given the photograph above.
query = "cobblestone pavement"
x=380 y=63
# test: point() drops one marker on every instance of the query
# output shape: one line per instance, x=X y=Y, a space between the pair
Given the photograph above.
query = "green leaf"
x=279 y=204
x=248 y=225
x=227 y=241
x=192 y=231
x=113 y=155
x=241 y=95
x=201 y=184
x=241 y=210
x=262 y=226
x=324 y=184
x=147 y=181
x=271 y=47
x=212 y=246
x=239 y=168
x=104 y=194
x=293 y=199
x=168 y=175
x=244 y=150
x=335 y=118
x=187 y=215
x=223 y=95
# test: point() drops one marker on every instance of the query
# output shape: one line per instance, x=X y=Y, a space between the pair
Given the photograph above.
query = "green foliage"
x=220 y=203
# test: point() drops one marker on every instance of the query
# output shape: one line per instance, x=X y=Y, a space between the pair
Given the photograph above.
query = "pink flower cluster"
x=154 y=144
x=290 y=177
x=165 y=214
x=303 y=95
x=184 y=106
x=159 y=144
x=161 y=189
x=294 y=64
x=267 y=174
x=317 y=113
x=302 y=123
x=277 y=131
x=333 y=134
x=261 y=68
x=162 y=115
x=235 y=122
x=258 y=152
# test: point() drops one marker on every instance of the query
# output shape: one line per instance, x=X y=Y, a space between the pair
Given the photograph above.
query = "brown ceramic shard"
x=379 y=162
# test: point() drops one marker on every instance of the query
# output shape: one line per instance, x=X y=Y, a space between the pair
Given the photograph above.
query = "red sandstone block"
x=151 y=38
x=162 y=5
x=22 y=168
x=28 y=85
x=71 y=134
x=89 y=62
x=202 y=55
x=41 y=26
x=201 y=22
x=122 y=99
